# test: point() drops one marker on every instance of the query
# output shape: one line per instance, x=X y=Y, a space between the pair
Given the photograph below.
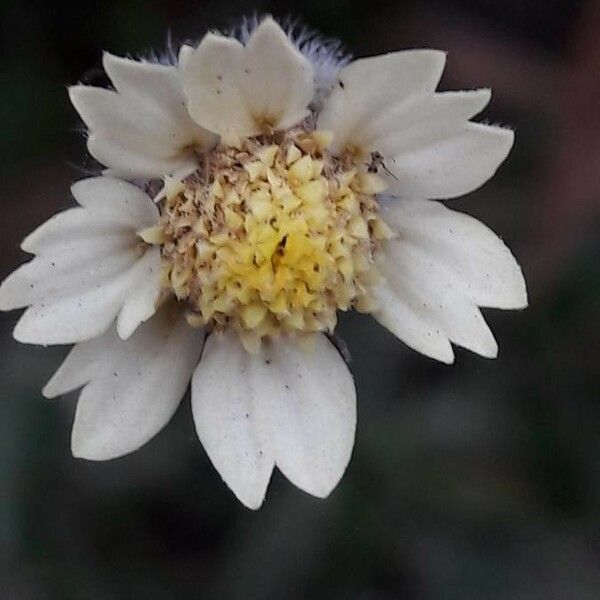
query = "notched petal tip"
x=321 y=489
x=434 y=59
x=478 y=99
x=493 y=352
x=357 y=101
x=82 y=98
x=140 y=127
x=239 y=91
x=505 y=134
x=110 y=60
x=453 y=166
x=27 y=245
x=485 y=346
x=501 y=140
x=273 y=409
x=86 y=449
x=82 y=186
x=269 y=28
x=9 y=294
x=486 y=93
x=252 y=502
x=442 y=267
x=131 y=389
x=183 y=56
x=49 y=391
x=520 y=294
x=77 y=96
x=443 y=355
x=25 y=335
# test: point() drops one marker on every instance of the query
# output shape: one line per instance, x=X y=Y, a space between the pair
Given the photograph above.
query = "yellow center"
x=271 y=237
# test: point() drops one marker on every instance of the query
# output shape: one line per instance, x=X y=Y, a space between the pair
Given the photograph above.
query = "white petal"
x=451 y=166
x=80 y=365
x=134 y=386
x=91 y=267
x=228 y=420
x=142 y=128
x=112 y=199
x=143 y=299
x=85 y=313
x=369 y=86
x=478 y=257
x=442 y=265
x=286 y=406
x=420 y=121
x=129 y=161
x=402 y=313
x=184 y=54
x=235 y=90
x=438 y=297
x=69 y=226
x=134 y=122
x=310 y=403
x=72 y=269
x=386 y=104
x=153 y=84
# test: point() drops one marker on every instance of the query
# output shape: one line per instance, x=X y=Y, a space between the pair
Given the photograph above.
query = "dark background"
x=476 y=481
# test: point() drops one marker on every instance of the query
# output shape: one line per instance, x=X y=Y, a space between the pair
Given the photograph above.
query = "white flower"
x=91 y=267
x=271 y=218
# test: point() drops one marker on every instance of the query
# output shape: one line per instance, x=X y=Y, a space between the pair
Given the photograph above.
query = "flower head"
x=293 y=185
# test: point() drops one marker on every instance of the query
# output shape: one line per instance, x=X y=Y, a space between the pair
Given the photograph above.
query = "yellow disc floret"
x=274 y=236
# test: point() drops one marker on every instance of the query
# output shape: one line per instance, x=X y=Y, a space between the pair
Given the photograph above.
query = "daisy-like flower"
x=292 y=185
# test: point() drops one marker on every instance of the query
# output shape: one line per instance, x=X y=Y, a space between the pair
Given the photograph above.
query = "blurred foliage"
x=480 y=480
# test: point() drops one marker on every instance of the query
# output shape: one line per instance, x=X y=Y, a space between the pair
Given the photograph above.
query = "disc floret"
x=272 y=236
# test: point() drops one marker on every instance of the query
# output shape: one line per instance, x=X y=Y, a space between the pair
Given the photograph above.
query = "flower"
x=292 y=185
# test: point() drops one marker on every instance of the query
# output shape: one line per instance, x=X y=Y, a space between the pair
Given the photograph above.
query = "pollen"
x=274 y=236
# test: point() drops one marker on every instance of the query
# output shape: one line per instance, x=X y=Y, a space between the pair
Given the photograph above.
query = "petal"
x=111 y=199
x=469 y=249
x=310 y=410
x=368 y=86
x=421 y=121
x=71 y=269
x=128 y=120
x=69 y=226
x=74 y=316
x=386 y=104
x=184 y=54
x=229 y=421
x=442 y=265
x=236 y=91
x=451 y=166
x=91 y=267
x=132 y=161
x=437 y=296
x=401 y=313
x=133 y=387
x=142 y=128
x=141 y=304
x=286 y=406
x=154 y=85
x=80 y=365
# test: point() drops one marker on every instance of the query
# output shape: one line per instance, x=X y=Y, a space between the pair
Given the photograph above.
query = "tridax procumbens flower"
x=287 y=185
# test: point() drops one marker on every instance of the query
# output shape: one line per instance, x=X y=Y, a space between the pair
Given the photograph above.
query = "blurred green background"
x=475 y=481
